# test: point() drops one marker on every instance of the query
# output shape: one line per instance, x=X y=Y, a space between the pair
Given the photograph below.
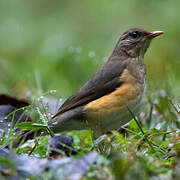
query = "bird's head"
x=135 y=42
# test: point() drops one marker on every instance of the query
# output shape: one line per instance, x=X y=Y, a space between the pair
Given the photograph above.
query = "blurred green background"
x=59 y=44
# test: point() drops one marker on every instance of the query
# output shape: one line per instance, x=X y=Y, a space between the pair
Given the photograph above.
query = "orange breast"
x=128 y=94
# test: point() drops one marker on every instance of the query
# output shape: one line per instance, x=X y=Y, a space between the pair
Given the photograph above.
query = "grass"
x=149 y=147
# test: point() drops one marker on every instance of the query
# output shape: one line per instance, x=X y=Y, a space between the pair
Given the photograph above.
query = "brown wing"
x=103 y=82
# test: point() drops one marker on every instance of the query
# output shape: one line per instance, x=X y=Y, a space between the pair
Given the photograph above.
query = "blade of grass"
x=34 y=147
x=136 y=134
x=138 y=124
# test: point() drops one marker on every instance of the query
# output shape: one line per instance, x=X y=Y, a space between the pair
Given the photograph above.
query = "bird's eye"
x=134 y=34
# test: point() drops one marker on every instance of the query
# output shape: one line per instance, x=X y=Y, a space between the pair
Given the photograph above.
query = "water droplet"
x=91 y=54
x=162 y=93
x=105 y=59
x=170 y=145
x=52 y=91
x=156 y=101
x=79 y=50
x=40 y=98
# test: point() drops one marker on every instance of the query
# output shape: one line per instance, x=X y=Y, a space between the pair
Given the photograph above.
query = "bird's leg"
x=97 y=130
x=99 y=139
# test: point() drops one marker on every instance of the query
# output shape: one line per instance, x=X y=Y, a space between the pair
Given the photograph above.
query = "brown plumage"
x=101 y=104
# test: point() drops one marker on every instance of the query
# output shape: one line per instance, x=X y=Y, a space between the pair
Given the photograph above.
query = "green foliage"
x=62 y=53
x=138 y=152
x=31 y=126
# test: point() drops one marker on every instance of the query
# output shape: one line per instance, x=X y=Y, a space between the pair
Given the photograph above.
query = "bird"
x=102 y=103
